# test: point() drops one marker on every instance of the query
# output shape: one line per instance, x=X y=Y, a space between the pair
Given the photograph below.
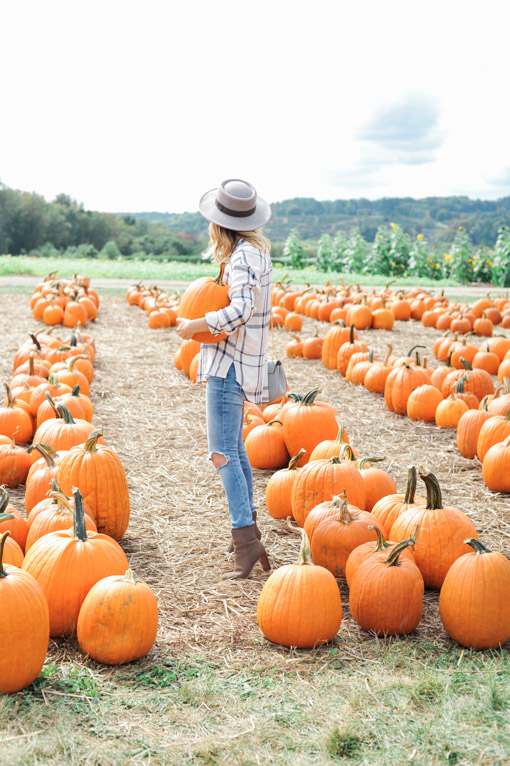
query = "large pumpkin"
x=118 y=620
x=203 y=295
x=307 y=423
x=474 y=602
x=441 y=534
x=68 y=563
x=299 y=604
x=321 y=480
x=22 y=605
x=98 y=472
x=389 y=508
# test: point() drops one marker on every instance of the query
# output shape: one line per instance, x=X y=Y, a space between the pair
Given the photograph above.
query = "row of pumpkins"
x=380 y=310
x=388 y=546
x=70 y=302
x=62 y=570
x=160 y=306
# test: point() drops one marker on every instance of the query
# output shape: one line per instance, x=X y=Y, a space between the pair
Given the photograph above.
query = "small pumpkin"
x=336 y=536
x=118 y=620
x=279 y=490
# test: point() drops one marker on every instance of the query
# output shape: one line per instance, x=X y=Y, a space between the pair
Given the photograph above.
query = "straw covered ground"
x=213 y=690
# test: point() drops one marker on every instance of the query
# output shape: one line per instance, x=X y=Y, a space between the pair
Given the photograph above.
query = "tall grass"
x=155 y=271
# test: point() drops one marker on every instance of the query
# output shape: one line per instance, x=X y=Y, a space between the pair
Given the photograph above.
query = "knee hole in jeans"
x=218 y=459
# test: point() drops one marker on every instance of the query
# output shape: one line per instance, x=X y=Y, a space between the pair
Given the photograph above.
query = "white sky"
x=138 y=106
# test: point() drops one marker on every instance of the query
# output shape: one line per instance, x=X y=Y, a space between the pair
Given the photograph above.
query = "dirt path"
x=179 y=529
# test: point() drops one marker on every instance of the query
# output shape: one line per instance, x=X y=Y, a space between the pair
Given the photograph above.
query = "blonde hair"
x=223 y=242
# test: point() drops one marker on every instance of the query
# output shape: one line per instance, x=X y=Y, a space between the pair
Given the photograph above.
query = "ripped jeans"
x=225 y=415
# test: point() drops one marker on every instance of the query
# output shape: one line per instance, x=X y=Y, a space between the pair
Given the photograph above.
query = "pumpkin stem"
x=309 y=397
x=219 y=278
x=418 y=345
x=272 y=422
x=393 y=559
x=79 y=528
x=347 y=453
x=304 y=550
x=64 y=413
x=46 y=451
x=35 y=341
x=345 y=516
x=130 y=576
x=76 y=390
x=292 y=466
x=10 y=401
x=365 y=460
x=382 y=543
x=411 y=485
x=341 y=430
x=3 y=538
x=434 y=499
x=4 y=499
x=351 y=334
x=484 y=403
x=465 y=363
x=91 y=443
x=477 y=546
x=51 y=401
x=390 y=351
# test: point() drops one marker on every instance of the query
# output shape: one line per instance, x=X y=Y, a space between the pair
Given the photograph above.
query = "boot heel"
x=264 y=562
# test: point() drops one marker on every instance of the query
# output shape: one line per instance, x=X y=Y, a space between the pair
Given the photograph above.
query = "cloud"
x=501 y=179
x=407 y=132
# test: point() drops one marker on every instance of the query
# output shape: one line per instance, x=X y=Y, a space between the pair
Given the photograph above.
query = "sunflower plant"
x=501 y=258
x=460 y=264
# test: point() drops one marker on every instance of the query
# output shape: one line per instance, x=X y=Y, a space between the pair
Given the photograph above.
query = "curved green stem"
x=393 y=559
x=434 y=499
x=3 y=538
x=365 y=460
x=382 y=543
x=304 y=550
x=293 y=462
x=63 y=412
x=46 y=451
x=79 y=528
x=4 y=499
x=411 y=485
x=91 y=443
x=310 y=396
x=477 y=546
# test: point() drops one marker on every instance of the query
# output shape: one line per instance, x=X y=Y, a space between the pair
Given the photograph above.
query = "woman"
x=236 y=368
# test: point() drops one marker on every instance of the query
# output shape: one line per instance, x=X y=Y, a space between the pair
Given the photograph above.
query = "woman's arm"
x=186 y=328
x=245 y=269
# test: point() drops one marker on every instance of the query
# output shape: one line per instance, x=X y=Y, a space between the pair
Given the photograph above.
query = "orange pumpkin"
x=203 y=295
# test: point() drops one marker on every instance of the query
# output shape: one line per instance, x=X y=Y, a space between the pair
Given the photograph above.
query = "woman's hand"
x=187 y=328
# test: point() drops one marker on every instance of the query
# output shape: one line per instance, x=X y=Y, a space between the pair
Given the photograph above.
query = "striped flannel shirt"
x=245 y=321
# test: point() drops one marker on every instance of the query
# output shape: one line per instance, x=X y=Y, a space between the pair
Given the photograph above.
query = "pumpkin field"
x=213 y=689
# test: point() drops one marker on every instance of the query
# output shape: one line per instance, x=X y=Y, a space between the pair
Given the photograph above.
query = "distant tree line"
x=29 y=224
x=438 y=218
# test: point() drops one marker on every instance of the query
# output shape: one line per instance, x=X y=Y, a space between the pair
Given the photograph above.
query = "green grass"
x=155 y=270
x=386 y=701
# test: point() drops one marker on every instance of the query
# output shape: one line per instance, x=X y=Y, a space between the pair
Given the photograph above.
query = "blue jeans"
x=225 y=415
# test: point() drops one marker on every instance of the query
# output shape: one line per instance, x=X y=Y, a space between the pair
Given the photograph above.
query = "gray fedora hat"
x=235 y=205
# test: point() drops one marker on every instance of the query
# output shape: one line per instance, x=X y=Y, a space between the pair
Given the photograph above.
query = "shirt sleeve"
x=245 y=270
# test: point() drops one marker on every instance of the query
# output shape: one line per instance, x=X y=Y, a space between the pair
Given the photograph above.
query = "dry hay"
x=179 y=528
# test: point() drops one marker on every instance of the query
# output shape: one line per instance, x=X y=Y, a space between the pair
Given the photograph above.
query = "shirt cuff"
x=213 y=322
